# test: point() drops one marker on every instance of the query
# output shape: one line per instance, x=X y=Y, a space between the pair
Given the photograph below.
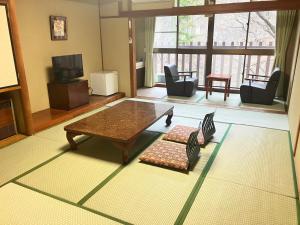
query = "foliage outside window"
x=183 y=40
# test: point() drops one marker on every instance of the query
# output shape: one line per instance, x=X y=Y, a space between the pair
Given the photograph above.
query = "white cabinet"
x=104 y=83
x=8 y=73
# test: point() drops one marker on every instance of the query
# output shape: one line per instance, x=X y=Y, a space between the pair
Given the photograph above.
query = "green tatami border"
x=117 y=171
x=95 y=190
x=71 y=203
x=41 y=164
x=189 y=202
x=99 y=186
x=34 y=168
x=294 y=177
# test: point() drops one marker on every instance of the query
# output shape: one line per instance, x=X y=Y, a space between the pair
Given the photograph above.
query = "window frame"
x=210 y=50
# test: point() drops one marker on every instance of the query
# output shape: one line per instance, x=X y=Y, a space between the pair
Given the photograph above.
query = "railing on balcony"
x=237 y=65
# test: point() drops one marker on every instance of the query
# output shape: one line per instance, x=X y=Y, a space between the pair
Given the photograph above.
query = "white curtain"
x=149 y=42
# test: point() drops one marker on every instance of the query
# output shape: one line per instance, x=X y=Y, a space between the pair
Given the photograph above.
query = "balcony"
x=227 y=58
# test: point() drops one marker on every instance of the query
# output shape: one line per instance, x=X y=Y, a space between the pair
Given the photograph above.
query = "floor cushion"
x=181 y=134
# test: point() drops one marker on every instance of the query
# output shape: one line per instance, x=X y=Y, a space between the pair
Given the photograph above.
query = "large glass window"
x=257 y=64
x=165 y=32
x=186 y=43
x=230 y=1
x=159 y=60
x=193 y=31
x=193 y=62
x=262 y=30
x=231 y=30
x=229 y=64
x=183 y=3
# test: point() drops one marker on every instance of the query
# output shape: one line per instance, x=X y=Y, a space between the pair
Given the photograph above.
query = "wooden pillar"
x=132 y=56
x=24 y=94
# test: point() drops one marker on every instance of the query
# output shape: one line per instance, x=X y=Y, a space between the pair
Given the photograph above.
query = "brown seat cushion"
x=181 y=134
x=168 y=154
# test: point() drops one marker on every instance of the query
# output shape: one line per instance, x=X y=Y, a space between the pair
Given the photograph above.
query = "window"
x=159 y=60
x=229 y=64
x=165 y=32
x=230 y=1
x=193 y=62
x=257 y=64
x=193 y=31
x=262 y=30
x=183 y=3
x=231 y=30
x=183 y=40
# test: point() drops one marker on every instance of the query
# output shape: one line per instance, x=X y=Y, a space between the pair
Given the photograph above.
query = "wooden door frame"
x=297 y=138
x=23 y=91
x=132 y=57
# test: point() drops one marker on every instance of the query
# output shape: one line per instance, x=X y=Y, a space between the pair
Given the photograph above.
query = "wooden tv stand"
x=70 y=95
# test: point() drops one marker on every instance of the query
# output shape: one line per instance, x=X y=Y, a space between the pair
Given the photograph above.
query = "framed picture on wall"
x=58 y=27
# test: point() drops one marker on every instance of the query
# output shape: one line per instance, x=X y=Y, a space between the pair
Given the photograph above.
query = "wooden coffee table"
x=120 y=124
x=218 y=77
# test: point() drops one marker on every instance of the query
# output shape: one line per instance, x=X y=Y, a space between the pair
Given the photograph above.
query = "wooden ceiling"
x=217 y=9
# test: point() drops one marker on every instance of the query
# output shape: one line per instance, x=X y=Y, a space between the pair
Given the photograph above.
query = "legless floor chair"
x=173 y=155
x=181 y=133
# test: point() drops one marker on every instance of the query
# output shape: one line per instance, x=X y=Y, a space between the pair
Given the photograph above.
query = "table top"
x=122 y=122
x=219 y=76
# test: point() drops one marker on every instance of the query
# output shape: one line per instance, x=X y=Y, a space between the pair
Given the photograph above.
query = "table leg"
x=229 y=84
x=225 y=90
x=73 y=144
x=125 y=147
x=206 y=88
x=169 y=118
x=211 y=86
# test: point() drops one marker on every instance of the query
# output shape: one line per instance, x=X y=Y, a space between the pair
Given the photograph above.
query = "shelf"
x=8 y=89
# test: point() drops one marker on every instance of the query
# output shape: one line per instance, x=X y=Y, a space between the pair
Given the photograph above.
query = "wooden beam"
x=216 y=9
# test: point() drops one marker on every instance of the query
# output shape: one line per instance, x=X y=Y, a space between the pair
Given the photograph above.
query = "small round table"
x=218 y=77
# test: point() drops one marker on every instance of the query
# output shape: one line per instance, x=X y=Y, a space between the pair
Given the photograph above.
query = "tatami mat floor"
x=244 y=176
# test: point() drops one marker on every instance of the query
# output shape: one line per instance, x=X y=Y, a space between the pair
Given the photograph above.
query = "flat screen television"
x=67 y=68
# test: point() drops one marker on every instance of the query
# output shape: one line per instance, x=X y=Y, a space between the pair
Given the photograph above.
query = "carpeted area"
x=195 y=98
x=217 y=99
x=155 y=92
x=244 y=176
x=276 y=106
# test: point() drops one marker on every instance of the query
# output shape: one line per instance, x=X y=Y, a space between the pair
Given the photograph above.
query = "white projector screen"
x=8 y=74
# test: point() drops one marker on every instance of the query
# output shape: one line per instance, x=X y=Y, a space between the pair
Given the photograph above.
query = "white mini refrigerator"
x=104 y=83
